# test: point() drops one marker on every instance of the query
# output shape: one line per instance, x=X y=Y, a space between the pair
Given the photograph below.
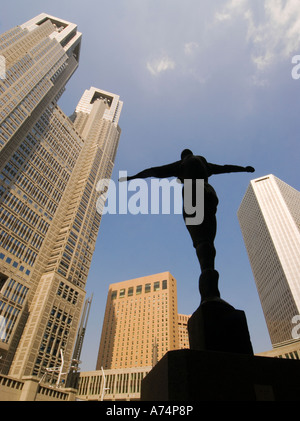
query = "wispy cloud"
x=190 y=48
x=231 y=8
x=276 y=36
x=160 y=65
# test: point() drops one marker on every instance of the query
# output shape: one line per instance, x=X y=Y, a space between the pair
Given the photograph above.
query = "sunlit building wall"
x=269 y=217
x=50 y=165
x=140 y=322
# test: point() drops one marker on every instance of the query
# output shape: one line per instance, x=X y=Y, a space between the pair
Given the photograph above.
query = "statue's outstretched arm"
x=164 y=171
x=223 y=169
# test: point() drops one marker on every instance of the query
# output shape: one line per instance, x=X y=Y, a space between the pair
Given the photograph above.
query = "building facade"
x=269 y=217
x=183 y=334
x=50 y=166
x=140 y=322
x=112 y=385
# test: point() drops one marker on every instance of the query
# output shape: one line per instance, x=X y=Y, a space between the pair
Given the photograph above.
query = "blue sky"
x=211 y=76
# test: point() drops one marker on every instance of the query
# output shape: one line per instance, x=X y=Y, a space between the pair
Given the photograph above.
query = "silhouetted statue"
x=195 y=167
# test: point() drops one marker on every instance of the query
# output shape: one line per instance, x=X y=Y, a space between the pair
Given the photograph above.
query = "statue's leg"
x=203 y=240
x=208 y=284
x=206 y=254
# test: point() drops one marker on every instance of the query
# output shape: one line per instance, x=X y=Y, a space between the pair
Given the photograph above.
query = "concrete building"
x=290 y=352
x=140 y=322
x=112 y=385
x=140 y=326
x=50 y=165
x=269 y=217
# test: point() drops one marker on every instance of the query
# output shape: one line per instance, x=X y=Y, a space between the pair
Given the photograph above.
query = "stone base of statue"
x=217 y=326
x=205 y=376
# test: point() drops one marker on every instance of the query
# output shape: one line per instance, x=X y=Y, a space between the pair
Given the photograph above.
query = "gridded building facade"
x=269 y=217
x=140 y=323
x=183 y=334
x=49 y=169
x=112 y=385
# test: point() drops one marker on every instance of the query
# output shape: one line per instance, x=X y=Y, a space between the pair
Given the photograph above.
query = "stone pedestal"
x=199 y=376
x=217 y=326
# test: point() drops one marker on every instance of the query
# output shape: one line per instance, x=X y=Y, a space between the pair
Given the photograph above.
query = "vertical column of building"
x=54 y=305
x=269 y=219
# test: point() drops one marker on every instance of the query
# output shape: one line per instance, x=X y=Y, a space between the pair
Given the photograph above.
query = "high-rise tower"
x=49 y=169
x=269 y=217
x=140 y=323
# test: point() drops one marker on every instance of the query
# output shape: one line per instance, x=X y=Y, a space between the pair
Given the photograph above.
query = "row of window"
x=139 y=289
x=54 y=339
x=14 y=291
x=114 y=383
x=67 y=293
x=10 y=36
x=8 y=317
x=14 y=264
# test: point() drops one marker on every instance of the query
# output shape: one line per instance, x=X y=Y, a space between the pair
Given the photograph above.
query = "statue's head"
x=185 y=153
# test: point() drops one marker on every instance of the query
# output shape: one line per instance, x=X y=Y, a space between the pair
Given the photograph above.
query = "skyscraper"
x=269 y=217
x=140 y=322
x=50 y=165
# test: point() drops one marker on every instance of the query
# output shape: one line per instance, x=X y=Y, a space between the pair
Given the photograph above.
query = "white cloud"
x=228 y=11
x=158 y=66
x=190 y=48
x=280 y=33
x=276 y=36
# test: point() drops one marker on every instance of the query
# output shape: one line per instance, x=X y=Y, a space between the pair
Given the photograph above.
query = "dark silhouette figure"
x=193 y=167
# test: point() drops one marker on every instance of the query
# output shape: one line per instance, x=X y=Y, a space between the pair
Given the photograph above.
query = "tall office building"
x=269 y=217
x=140 y=322
x=49 y=169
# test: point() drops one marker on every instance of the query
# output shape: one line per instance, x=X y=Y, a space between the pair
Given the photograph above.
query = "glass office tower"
x=269 y=217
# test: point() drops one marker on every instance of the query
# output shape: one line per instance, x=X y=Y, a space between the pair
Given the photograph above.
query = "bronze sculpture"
x=195 y=167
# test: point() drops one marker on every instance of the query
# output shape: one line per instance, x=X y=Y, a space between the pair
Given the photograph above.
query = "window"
x=114 y=295
x=130 y=291
x=156 y=286
x=122 y=293
x=164 y=284
x=147 y=287
x=138 y=289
